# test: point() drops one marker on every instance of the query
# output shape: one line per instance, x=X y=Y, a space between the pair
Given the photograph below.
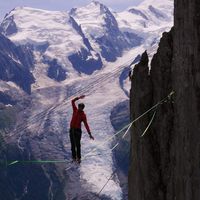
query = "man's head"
x=81 y=106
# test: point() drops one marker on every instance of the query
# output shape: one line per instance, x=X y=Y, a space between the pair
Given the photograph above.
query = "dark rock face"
x=6 y=99
x=138 y=12
x=55 y=71
x=156 y=12
x=165 y=163
x=15 y=64
x=82 y=64
x=113 y=42
x=140 y=102
x=147 y=178
x=125 y=74
x=79 y=31
x=119 y=118
x=26 y=181
x=80 y=60
x=42 y=48
x=185 y=77
x=8 y=26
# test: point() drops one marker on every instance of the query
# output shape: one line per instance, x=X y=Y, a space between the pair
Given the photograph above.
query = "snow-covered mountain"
x=84 y=51
x=55 y=35
x=101 y=27
x=15 y=64
x=81 y=40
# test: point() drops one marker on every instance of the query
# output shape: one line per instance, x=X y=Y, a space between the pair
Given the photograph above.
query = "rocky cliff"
x=16 y=63
x=22 y=181
x=165 y=163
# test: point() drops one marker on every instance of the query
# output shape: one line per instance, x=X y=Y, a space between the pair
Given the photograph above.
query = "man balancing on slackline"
x=75 y=128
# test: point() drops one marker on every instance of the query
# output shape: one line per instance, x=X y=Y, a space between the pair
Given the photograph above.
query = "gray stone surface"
x=165 y=163
x=16 y=63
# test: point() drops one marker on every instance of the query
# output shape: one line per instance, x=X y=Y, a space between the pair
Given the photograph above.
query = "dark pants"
x=75 y=139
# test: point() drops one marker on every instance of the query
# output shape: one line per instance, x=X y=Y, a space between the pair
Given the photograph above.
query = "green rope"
x=38 y=161
x=169 y=97
x=108 y=139
x=149 y=124
x=14 y=162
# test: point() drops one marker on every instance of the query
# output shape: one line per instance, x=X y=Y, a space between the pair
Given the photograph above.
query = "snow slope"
x=149 y=20
x=50 y=28
x=91 y=18
x=48 y=135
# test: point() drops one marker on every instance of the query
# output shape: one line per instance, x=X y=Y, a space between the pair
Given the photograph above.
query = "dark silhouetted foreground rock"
x=165 y=163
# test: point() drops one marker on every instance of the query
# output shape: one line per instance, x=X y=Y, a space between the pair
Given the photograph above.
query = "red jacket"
x=78 y=117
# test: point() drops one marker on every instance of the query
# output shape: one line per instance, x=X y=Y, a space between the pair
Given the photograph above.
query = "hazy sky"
x=7 y=5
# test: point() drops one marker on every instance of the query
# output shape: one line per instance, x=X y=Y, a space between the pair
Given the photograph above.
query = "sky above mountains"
x=63 y=5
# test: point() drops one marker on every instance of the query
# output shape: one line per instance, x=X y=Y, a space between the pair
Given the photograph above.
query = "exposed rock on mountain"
x=148 y=154
x=82 y=59
x=52 y=35
x=8 y=26
x=15 y=64
x=81 y=40
x=165 y=163
x=109 y=38
x=24 y=182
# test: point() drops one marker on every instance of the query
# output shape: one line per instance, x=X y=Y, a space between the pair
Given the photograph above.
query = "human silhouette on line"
x=75 y=128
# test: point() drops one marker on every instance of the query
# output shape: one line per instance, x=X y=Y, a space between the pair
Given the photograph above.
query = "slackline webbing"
x=112 y=175
x=107 y=140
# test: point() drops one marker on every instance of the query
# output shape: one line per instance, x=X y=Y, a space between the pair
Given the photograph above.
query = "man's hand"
x=82 y=97
x=91 y=137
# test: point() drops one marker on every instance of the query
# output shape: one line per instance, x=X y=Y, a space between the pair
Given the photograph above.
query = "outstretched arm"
x=74 y=100
x=73 y=103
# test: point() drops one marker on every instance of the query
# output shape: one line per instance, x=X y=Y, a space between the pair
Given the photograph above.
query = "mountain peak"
x=159 y=9
x=17 y=8
x=25 y=10
x=20 y=8
x=155 y=3
x=96 y=3
x=93 y=8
